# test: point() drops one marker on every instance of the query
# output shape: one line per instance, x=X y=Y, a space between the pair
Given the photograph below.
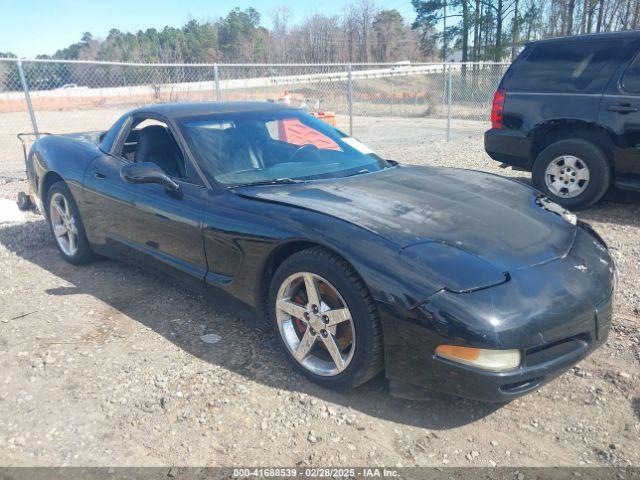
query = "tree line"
x=464 y=30
x=482 y=30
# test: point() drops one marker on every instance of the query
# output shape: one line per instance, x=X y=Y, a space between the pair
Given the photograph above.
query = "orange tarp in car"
x=291 y=130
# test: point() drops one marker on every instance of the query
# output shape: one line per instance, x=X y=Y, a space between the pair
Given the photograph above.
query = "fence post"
x=350 y=91
x=449 y=103
x=444 y=85
x=216 y=76
x=27 y=97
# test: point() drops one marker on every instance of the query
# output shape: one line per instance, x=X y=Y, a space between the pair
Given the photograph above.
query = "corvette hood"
x=496 y=219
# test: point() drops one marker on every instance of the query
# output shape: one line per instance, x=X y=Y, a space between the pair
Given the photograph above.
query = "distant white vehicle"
x=69 y=86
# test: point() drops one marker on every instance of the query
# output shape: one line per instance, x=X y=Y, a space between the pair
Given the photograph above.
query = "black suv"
x=568 y=110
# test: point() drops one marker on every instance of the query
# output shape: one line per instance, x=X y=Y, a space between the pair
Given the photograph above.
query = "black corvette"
x=459 y=281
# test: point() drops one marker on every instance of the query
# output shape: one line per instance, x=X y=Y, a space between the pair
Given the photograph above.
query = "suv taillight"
x=498 y=108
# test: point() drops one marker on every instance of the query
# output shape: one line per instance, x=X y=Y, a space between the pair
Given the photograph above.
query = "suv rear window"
x=631 y=79
x=565 y=67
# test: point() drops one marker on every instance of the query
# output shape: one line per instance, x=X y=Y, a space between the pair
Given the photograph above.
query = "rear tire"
x=558 y=170
x=339 y=288
x=66 y=225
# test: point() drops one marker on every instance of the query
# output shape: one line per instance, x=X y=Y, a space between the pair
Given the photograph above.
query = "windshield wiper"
x=275 y=181
x=392 y=163
x=359 y=172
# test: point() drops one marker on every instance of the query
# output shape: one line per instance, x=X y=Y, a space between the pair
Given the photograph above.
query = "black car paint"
x=533 y=118
x=516 y=285
x=478 y=213
x=537 y=309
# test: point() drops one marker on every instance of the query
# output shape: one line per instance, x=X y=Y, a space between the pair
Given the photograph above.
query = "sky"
x=32 y=27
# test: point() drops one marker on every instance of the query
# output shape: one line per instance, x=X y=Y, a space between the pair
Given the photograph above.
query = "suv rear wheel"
x=574 y=173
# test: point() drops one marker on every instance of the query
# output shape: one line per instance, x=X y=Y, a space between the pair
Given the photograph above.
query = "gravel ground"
x=105 y=365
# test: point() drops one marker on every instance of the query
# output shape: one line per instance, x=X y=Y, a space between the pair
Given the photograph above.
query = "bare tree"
x=278 y=44
x=350 y=29
x=318 y=35
x=516 y=30
x=600 y=15
x=366 y=10
x=570 y=11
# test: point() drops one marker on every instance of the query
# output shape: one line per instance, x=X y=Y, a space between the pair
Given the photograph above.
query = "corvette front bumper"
x=540 y=365
x=556 y=314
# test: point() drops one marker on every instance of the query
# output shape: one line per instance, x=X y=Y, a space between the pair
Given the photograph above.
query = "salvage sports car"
x=459 y=281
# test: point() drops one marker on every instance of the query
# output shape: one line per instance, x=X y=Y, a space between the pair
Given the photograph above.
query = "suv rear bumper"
x=508 y=146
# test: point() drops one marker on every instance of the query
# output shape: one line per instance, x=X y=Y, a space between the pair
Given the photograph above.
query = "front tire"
x=326 y=320
x=66 y=225
x=574 y=173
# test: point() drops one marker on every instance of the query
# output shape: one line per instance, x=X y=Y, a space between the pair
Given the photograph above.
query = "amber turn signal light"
x=493 y=360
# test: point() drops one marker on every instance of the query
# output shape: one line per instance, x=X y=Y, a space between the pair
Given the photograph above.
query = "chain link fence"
x=49 y=96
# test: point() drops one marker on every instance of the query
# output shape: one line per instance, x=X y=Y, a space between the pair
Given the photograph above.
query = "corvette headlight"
x=493 y=360
x=451 y=267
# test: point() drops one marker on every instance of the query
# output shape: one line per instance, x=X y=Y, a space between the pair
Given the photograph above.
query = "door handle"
x=98 y=174
x=622 y=108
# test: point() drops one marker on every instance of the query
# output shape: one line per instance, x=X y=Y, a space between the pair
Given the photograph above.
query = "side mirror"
x=148 y=172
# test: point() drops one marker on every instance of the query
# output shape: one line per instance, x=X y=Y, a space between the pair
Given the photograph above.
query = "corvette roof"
x=177 y=110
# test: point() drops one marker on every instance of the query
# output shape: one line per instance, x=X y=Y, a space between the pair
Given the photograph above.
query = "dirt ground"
x=105 y=365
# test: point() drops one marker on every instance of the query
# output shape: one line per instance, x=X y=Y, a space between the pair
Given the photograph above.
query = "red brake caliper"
x=298 y=323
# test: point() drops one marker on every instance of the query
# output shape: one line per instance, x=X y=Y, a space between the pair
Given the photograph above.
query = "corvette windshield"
x=248 y=148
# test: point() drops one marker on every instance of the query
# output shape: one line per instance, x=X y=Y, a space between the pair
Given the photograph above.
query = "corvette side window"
x=152 y=141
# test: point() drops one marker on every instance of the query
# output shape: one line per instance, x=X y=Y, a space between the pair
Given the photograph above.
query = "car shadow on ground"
x=247 y=347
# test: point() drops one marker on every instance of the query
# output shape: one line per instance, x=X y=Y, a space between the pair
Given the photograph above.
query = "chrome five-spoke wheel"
x=315 y=324
x=63 y=224
x=567 y=176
